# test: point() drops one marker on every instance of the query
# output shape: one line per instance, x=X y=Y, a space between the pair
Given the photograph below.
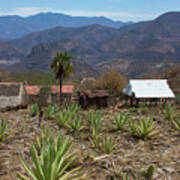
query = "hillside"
x=152 y=45
x=9 y=54
x=15 y=26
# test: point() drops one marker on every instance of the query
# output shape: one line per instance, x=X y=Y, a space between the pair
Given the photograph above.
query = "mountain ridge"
x=13 y=27
x=153 y=45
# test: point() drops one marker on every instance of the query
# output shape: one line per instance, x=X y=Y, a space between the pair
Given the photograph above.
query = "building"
x=46 y=95
x=12 y=95
x=148 y=90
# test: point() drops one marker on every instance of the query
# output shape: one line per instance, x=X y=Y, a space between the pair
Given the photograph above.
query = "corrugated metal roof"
x=153 y=88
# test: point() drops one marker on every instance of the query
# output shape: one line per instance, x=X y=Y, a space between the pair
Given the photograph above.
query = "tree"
x=114 y=82
x=62 y=68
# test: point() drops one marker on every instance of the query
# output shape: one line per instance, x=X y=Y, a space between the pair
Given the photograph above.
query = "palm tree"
x=62 y=68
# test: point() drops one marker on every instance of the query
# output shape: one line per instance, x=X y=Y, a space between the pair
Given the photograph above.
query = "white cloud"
x=124 y=16
x=26 y=11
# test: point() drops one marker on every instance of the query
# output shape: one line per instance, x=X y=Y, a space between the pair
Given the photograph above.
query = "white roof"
x=153 y=88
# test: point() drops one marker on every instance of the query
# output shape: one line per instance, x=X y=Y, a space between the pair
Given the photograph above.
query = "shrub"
x=144 y=128
x=169 y=112
x=108 y=145
x=53 y=162
x=3 y=128
x=51 y=111
x=34 y=111
x=111 y=81
x=121 y=120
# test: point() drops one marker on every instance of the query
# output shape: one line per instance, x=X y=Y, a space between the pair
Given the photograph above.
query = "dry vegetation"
x=105 y=142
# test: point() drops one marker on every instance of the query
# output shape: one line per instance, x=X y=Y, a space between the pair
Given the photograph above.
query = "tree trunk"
x=60 y=88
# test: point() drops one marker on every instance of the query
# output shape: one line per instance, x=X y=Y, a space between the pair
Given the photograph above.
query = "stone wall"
x=12 y=96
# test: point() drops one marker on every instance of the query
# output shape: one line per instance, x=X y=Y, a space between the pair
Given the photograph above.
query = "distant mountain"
x=15 y=26
x=91 y=34
x=134 y=50
x=9 y=54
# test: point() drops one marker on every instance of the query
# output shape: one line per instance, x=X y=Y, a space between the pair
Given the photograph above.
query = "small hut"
x=12 y=95
x=98 y=98
x=153 y=90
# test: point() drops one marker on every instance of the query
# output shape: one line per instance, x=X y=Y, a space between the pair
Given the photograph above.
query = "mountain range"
x=15 y=26
x=133 y=49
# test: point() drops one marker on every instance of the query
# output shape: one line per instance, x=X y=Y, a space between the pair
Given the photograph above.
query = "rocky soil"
x=131 y=155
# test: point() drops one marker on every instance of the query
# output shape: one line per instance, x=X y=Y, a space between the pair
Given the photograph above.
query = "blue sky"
x=124 y=10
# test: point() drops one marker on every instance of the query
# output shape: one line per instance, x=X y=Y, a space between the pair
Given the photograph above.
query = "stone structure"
x=12 y=95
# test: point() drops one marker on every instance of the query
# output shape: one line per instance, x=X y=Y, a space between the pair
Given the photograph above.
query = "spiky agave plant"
x=108 y=144
x=76 y=124
x=34 y=110
x=73 y=108
x=51 y=111
x=95 y=121
x=121 y=120
x=144 y=128
x=63 y=118
x=52 y=163
x=169 y=112
x=3 y=128
x=176 y=124
x=43 y=139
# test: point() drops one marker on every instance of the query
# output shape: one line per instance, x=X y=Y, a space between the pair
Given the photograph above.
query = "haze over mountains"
x=133 y=49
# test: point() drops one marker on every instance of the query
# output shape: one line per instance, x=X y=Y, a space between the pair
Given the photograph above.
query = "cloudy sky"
x=124 y=10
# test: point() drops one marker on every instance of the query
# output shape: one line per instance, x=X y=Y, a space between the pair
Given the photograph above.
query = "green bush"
x=34 y=111
x=144 y=128
x=3 y=128
x=53 y=163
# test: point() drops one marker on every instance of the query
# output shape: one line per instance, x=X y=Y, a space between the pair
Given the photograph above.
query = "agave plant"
x=43 y=138
x=148 y=172
x=121 y=120
x=3 y=128
x=176 y=124
x=108 y=144
x=53 y=163
x=169 y=112
x=76 y=124
x=144 y=128
x=95 y=139
x=34 y=111
x=95 y=120
x=51 y=111
x=73 y=108
x=63 y=118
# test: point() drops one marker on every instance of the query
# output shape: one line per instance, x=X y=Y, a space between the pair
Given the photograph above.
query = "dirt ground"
x=131 y=155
